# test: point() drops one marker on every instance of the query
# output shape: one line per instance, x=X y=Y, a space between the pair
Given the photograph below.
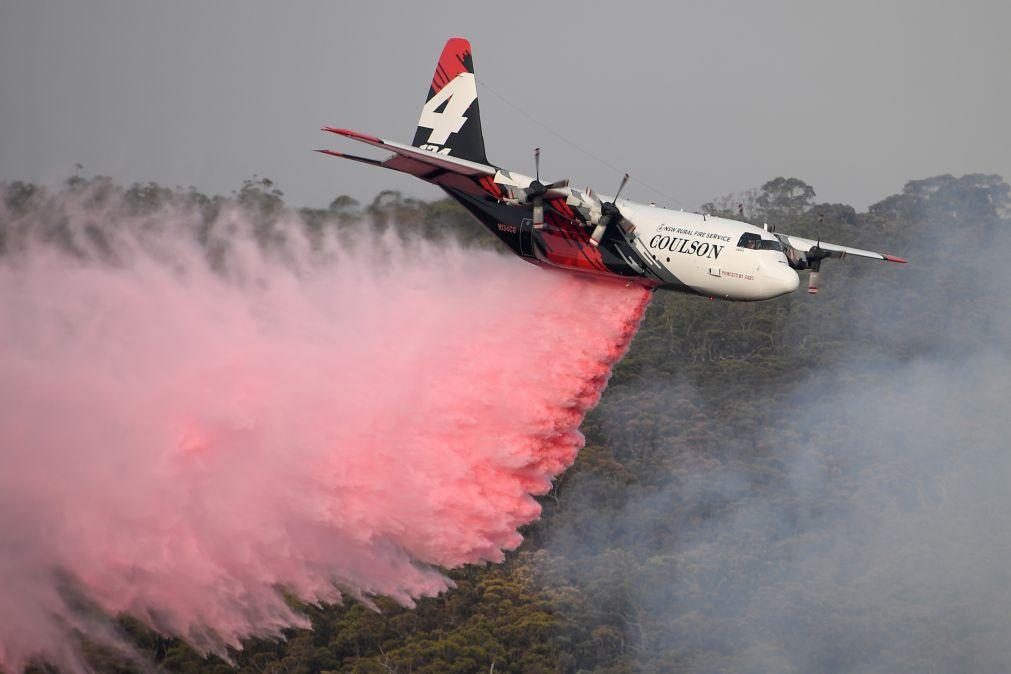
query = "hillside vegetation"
x=814 y=483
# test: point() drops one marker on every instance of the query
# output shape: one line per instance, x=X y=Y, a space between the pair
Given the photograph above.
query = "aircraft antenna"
x=588 y=153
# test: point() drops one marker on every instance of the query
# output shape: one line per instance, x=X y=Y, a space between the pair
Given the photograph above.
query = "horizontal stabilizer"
x=440 y=161
x=343 y=155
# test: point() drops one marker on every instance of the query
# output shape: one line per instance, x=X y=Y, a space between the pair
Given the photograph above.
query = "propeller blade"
x=536 y=189
x=624 y=181
x=538 y=213
x=815 y=276
x=609 y=211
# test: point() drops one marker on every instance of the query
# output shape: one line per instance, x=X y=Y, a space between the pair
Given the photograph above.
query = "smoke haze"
x=845 y=506
x=191 y=420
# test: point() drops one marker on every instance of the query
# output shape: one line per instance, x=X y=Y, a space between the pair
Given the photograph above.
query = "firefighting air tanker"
x=553 y=225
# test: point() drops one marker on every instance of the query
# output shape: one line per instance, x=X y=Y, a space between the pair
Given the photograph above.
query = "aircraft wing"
x=409 y=159
x=803 y=245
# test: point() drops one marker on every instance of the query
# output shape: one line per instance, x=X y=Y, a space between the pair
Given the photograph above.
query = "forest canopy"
x=804 y=484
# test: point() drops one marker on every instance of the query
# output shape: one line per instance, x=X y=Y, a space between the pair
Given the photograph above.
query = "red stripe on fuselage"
x=562 y=207
x=491 y=187
x=567 y=245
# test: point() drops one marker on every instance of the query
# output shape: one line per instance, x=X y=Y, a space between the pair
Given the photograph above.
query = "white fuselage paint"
x=702 y=252
x=699 y=250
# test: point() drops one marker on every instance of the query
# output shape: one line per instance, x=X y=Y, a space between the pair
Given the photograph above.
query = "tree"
x=783 y=200
x=976 y=197
x=344 y=206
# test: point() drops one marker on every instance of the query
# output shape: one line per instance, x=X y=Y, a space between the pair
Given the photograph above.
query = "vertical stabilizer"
x=451 y=120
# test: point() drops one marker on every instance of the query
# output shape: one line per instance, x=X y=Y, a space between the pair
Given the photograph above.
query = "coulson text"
x=685 y=246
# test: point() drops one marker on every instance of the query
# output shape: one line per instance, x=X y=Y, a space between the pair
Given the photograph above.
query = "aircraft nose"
x=784 y=279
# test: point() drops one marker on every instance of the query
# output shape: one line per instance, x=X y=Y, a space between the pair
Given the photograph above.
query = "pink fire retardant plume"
x=178 y=443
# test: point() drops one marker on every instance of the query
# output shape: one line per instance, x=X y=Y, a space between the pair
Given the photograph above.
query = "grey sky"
x=697 y=99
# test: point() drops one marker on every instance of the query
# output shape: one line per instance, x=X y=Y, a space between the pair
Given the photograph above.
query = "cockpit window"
x=748 y=240
x=756 y=242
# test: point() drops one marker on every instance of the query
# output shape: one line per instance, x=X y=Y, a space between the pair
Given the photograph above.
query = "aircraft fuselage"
x=665 y=249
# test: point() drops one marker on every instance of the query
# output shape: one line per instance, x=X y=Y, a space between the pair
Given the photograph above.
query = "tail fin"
x=451 y=120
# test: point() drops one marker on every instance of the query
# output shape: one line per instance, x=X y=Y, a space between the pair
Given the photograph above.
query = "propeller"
x=608 y=210
x=814 y=258
x=814 y=277
x=535 y=191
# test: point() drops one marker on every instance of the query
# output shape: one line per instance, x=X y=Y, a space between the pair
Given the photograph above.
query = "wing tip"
x=893 y=258
x=348 y=133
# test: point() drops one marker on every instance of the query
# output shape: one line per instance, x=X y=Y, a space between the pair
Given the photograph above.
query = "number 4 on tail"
x=443 y=113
